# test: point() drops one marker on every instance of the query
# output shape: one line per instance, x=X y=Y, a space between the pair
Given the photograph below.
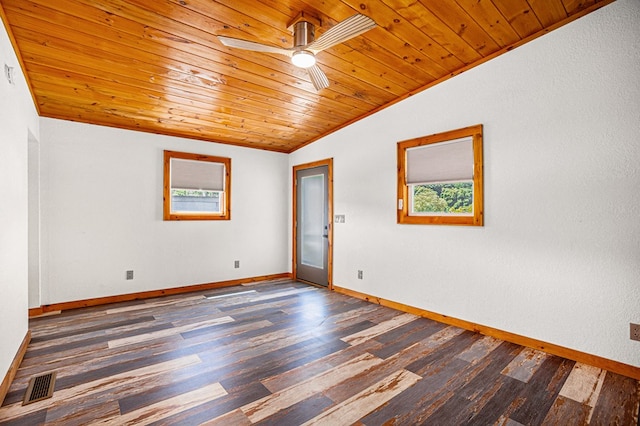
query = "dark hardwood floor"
x=284 y=353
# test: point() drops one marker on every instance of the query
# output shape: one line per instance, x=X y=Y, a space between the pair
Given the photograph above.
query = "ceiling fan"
x=305 y=47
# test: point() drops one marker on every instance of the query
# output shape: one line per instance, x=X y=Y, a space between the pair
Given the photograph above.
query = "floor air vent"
x=40 y=387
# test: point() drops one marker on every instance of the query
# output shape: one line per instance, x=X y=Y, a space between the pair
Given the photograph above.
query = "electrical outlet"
x=359 y=274
x=635 y=331
x=236 y=264
x=129 y=275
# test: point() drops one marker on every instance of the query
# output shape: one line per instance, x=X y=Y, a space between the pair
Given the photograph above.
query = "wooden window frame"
x=226 y=202
x=477 y=218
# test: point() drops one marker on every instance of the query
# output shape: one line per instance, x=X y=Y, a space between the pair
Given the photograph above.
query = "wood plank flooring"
x=284 y=353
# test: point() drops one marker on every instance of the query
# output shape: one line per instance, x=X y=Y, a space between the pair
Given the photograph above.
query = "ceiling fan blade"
x=250 y=45
x=318 y=78
x=341 y=32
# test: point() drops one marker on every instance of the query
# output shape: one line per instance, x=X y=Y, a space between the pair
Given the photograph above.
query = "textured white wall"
x=102 y=215
x=17 y=118
x=559 y=256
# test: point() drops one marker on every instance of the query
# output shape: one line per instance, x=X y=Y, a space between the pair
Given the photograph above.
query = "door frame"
x=329 y=163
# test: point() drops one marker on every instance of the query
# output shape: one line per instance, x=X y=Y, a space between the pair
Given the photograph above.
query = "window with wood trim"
x=440 y=178
x=196 y=187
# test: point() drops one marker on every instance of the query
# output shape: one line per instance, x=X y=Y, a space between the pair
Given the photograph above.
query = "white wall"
x=17 y=119
x=102 y=215
x=559 y=256
x=33 y=155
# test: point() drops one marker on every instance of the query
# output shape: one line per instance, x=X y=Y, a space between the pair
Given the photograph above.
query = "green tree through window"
x=443 y=198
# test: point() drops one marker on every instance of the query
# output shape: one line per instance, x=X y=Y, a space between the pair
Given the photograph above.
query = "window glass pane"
x=196 y=186
x=189 y=200
x=312 y=226
x=442 y=198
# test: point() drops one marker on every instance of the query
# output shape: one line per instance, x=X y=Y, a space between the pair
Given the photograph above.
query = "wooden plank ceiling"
x=156 y=65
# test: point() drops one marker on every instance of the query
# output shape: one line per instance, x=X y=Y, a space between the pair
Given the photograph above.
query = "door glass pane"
x=312 y=218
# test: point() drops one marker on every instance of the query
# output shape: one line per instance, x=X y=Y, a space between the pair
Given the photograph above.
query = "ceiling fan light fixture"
x=305 y=45
x=303 y=59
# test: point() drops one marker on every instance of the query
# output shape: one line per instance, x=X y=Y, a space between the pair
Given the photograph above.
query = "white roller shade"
x=190 y=174
x=450 y=161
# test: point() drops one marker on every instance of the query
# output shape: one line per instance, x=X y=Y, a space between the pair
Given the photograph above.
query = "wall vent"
x=40 y=387
x=8 y=73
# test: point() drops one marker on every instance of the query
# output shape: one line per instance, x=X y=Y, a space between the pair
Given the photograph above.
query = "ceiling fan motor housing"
x=303 y=33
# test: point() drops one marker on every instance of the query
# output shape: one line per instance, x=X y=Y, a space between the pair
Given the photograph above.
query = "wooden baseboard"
x=64 y=306
x=13 y=368
x=572 y=354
